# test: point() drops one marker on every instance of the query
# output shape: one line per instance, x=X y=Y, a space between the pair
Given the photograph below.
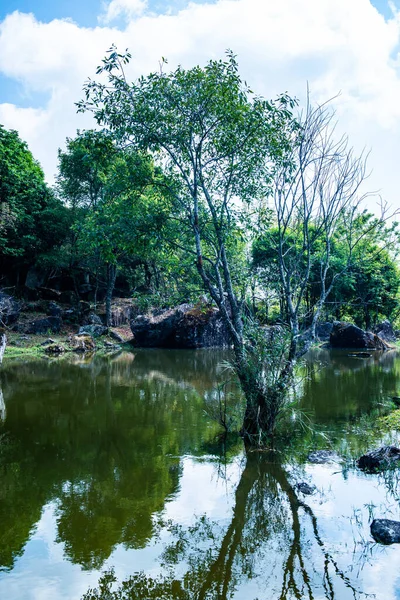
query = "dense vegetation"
x=192 y=185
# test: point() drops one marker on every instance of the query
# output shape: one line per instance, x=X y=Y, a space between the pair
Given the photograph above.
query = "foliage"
x=220 y=145
x=32 y=220
x=367 y=289
x=391 y=421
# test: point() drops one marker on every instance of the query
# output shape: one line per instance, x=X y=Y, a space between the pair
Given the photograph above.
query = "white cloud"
x=122 y=8
x=335 y=45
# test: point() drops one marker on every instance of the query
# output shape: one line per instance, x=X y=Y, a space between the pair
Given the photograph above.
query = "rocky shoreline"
x=54 y=327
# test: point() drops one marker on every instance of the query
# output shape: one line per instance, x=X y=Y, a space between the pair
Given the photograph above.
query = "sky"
x=349 y=47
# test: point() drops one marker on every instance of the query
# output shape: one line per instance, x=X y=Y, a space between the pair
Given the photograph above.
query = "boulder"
x=385 y=457
x=42 y=326
x=121 y=315
x=385 y=531
x=305 y=488
x=10 y=309
x=94 y=319
x=385 y=331
x=321 y=457
x=323 y=331
x=116 y=336
x=185 y=326
x=109 y=346
x=82 y=343
x=347 y=335
x=48 y=342
x=93 y=330
x=54 y=349
x=53 y=309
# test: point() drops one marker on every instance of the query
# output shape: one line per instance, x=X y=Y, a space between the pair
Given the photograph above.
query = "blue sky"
x=347 y=46
x=85 y=13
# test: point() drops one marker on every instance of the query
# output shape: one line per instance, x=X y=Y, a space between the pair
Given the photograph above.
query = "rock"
x=48 y=341
x=347 y=335
x=378 y=460
x=185 y=326
x=54 y=349
x=323 y=331
x=121 y=315
x=94 y=319
x=49 y=293
x=385 y=331
x=93 y=330
x=41 y=326
x=54 y=310
x=82 y=343
x=305 y=488
x=116 y=336
x=10 y=309
x=385 y=531
x=111 y=346
x=321 y=457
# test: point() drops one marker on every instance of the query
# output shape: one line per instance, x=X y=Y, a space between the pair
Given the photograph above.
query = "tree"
x=369 y=290
x=317 y=191
x=367 y=287
x=220 y=144
x=115 y=199
x=32 y=220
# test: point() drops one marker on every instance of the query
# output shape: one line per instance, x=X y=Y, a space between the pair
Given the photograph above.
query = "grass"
x=33 y=348
x=389 y=422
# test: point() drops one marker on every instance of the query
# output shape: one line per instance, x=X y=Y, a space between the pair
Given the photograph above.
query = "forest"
x=199 y=333
x=193 y=189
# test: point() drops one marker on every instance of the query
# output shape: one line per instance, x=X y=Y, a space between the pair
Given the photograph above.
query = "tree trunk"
x=111 y=276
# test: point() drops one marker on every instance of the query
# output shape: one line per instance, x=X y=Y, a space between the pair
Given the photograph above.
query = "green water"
x=114 y=462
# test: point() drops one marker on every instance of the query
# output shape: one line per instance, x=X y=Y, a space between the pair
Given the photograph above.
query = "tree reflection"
x=101 y=440
x=271 y=528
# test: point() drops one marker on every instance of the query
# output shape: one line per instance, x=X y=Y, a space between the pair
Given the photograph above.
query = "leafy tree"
x=369 y=291
x=32 y=220
x=368 y=284
x=220 y=144
x=117 y=200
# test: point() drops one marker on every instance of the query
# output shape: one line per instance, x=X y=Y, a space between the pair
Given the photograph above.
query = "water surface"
x=115 y=462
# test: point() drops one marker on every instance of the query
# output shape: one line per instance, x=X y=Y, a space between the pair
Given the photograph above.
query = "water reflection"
x=105 y=440
x=272 y=546
x=104 y=443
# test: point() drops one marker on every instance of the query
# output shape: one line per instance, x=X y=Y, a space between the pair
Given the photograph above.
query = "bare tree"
x=317 y=192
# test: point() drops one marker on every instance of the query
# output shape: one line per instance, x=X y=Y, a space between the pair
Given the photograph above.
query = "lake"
x=115 y=462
